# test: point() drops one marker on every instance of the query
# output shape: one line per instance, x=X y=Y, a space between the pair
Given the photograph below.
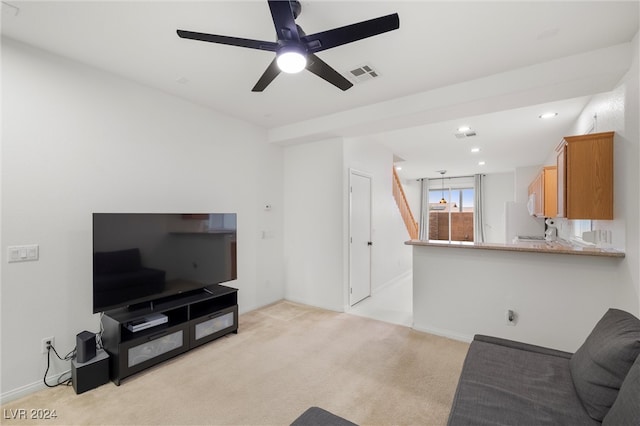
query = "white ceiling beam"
x=570 y=77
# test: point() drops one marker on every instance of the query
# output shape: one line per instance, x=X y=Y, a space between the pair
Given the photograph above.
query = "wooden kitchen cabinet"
x=543 y=189
x=585 y=176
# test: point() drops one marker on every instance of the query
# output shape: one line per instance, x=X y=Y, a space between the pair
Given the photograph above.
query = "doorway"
x=360 y=243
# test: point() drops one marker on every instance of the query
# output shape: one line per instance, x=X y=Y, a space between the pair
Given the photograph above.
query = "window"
x=453 y=220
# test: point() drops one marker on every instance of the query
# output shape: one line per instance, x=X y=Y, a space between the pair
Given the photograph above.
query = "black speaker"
x=89 y=375
x=85 y=346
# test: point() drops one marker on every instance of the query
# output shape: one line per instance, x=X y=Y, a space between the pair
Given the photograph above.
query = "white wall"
x=75 y=141
x=558 y=298
x=316 y=177
x=314 y=224
x=523 y=177
x=390 y=257
x=498 y=189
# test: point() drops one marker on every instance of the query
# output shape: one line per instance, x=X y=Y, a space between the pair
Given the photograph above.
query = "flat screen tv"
x=139 y=258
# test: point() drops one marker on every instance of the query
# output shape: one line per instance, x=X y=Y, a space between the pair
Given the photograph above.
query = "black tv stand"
x=194 y=318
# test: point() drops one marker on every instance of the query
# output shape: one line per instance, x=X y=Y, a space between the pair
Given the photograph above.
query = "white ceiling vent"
x=363 y=73
x=467 y=134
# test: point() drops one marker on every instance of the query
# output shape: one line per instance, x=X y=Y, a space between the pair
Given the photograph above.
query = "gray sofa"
x=316 y=416
x=510 y=383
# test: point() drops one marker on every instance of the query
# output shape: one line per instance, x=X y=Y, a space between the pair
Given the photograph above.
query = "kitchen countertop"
x=530 y=247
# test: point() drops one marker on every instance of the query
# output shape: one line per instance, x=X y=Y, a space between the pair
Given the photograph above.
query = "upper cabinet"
x=585 y=176
x=542 y=193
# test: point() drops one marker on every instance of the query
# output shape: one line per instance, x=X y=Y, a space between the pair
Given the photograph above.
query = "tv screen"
x=144 y=257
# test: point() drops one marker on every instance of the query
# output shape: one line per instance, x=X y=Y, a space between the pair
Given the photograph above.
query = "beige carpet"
x=285 y=358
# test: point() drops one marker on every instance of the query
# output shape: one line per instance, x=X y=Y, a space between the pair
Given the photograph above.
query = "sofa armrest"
x=316 y=416
x=522 y=346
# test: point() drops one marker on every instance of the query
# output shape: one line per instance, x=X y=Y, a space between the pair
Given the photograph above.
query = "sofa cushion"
x=626 y=409
x=510 y=383
x=601 y=364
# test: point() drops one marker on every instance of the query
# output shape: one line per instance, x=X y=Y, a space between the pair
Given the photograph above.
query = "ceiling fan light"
x=291 y=61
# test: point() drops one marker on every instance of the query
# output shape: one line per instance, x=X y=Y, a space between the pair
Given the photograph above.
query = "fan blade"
x=269 y=74
x=350 y=33
x=283 y=20
x=232 y=41
x=324 y=71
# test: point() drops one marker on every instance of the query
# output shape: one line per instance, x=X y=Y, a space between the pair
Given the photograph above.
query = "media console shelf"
x=192 y=319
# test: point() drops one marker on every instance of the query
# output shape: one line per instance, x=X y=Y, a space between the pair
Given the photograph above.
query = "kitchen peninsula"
x=557 y=292
x=532 y=247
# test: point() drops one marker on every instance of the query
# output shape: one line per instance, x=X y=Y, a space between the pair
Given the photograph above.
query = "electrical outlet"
x=510 y=317
x=47 y=341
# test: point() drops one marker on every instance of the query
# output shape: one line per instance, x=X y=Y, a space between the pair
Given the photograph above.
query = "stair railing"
x=403 y=205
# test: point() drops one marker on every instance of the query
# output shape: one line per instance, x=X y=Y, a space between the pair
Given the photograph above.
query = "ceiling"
x=495 y=66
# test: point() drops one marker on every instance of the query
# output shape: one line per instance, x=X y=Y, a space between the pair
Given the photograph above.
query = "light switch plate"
x=26 y=253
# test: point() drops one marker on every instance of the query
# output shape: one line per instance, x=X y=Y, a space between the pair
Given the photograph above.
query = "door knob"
x=369 y=243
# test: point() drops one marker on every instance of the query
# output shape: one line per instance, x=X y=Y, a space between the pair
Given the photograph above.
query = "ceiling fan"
x=294 y=49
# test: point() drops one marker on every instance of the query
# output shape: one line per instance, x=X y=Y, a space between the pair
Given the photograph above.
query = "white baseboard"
x=444 y=333
x=243 y=310
x=308 y=303
x=25 y=390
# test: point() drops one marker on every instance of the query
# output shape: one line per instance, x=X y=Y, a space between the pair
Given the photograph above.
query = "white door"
x=360 y=237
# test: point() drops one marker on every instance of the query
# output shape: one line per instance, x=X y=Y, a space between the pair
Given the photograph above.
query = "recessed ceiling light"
x=548 y=115
x=481 y=163
x=464 y=129
x=475 y=149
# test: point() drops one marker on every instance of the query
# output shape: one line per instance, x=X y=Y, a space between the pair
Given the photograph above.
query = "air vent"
x=363 y=73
